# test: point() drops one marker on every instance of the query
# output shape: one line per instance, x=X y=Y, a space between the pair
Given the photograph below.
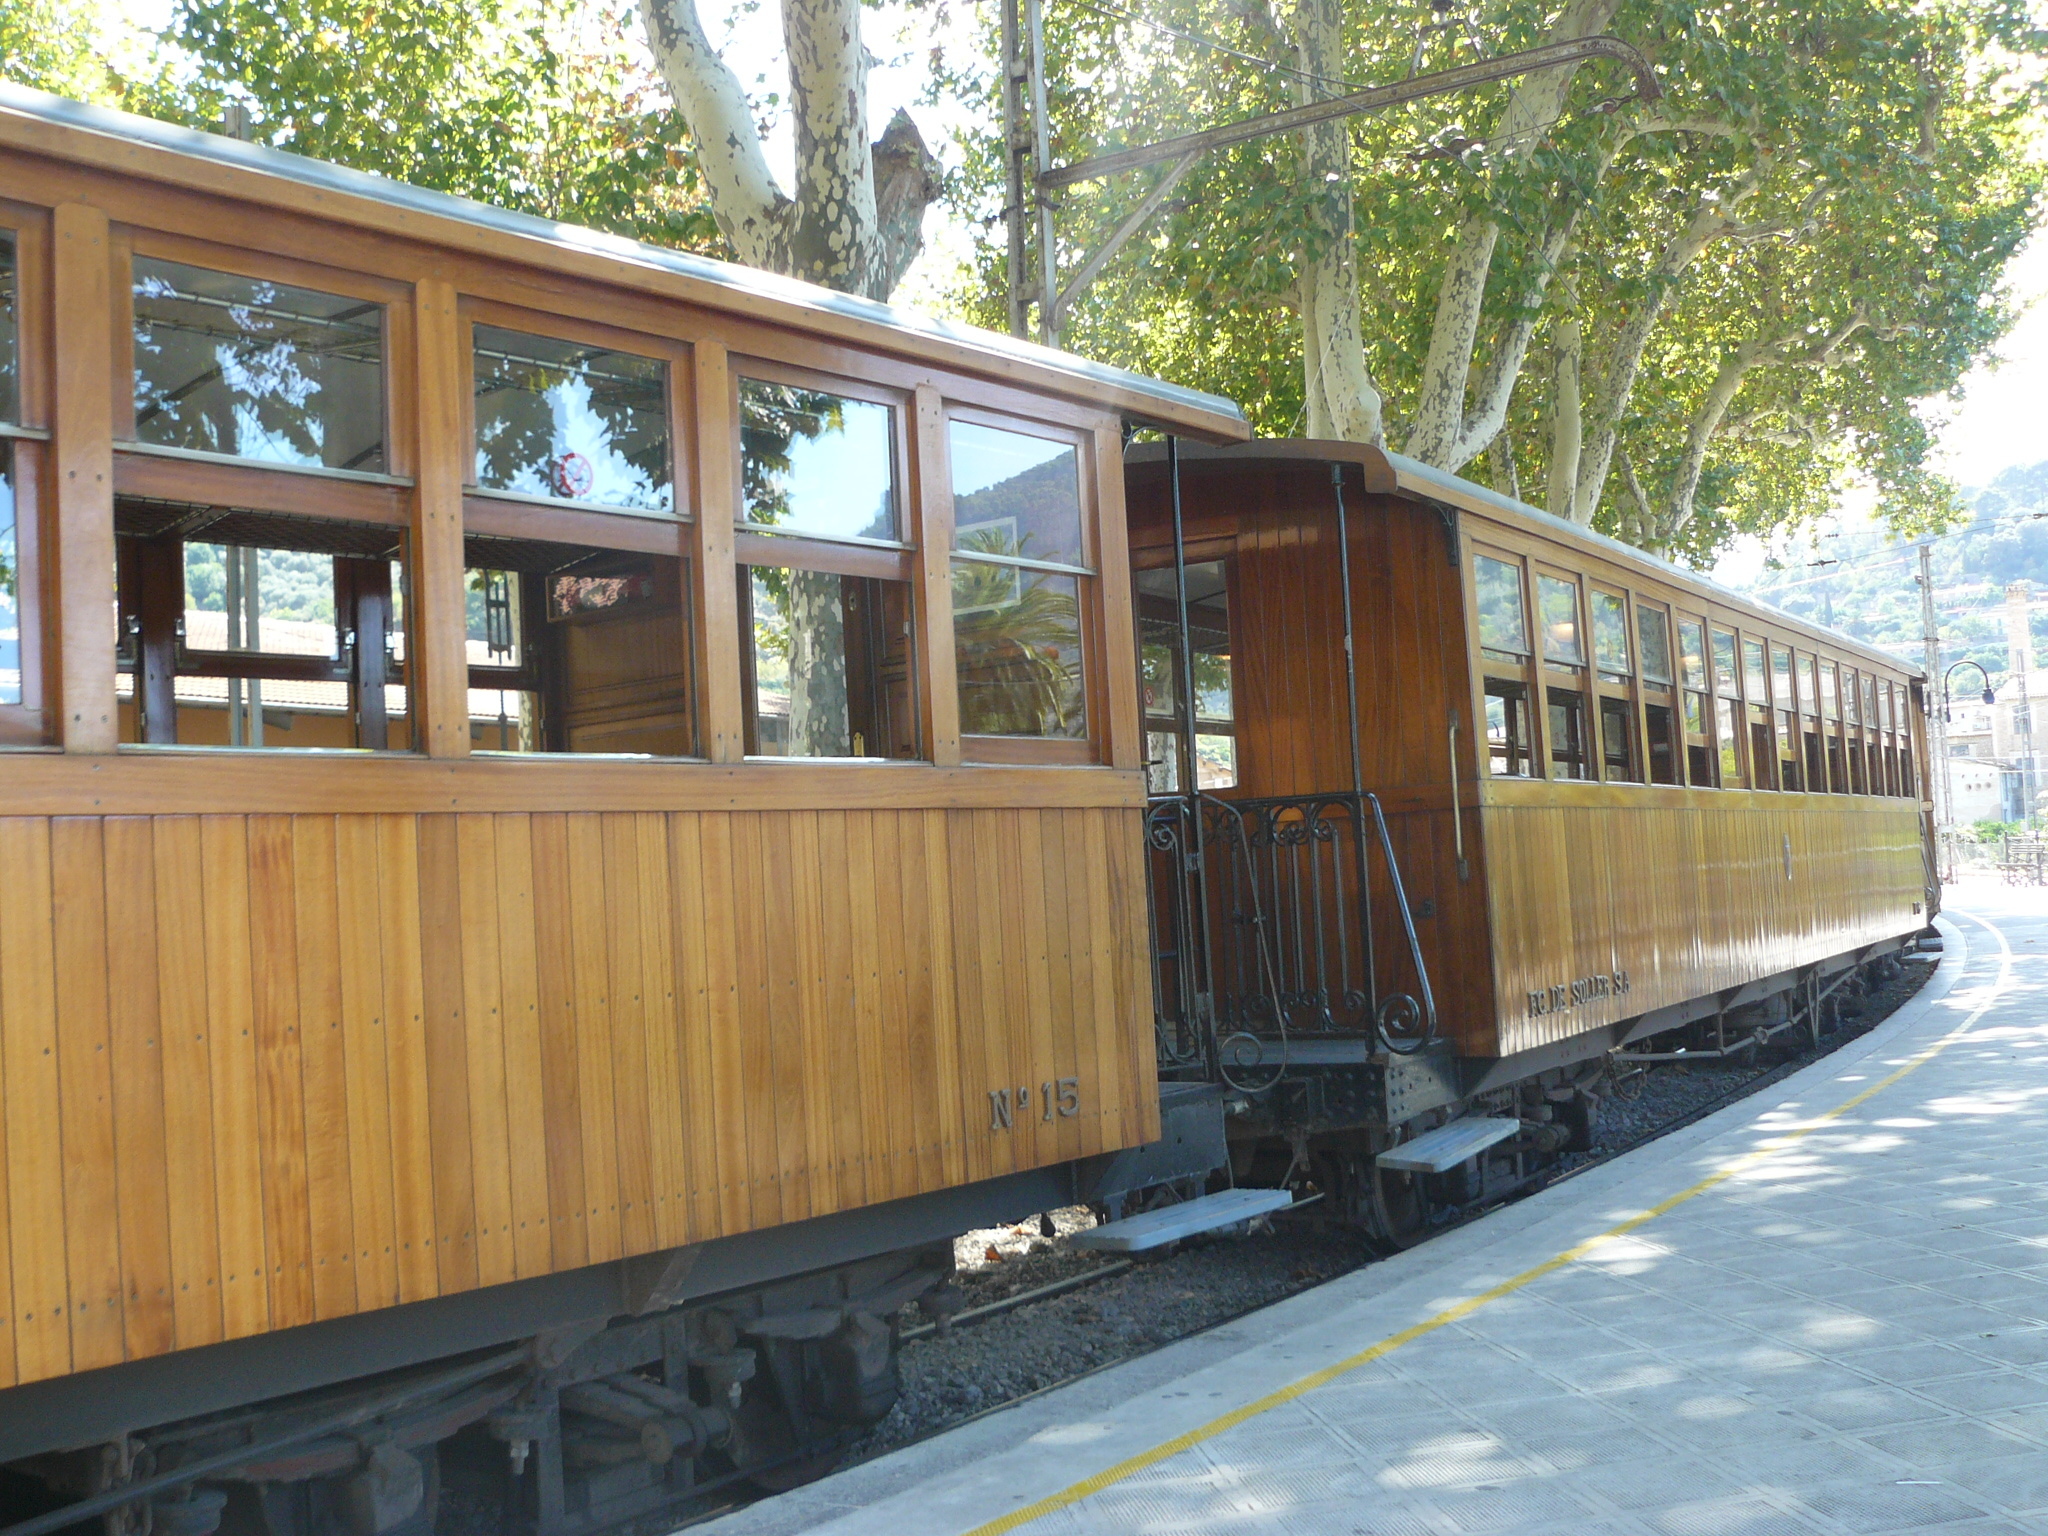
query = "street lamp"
x=1989 y=696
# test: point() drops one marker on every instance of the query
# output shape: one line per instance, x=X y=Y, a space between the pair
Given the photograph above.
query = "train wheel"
x=1400 y=1206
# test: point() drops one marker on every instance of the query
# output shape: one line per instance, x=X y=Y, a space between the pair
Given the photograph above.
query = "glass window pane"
x=1162 y=763
x=1653 y=638
x=831 y=666
x=257 y=369
x=1731 y=756
x=1724 y=663
x=1558 y=602
x=1017 y=651
x=10 y=342
x=1507 y=727
x=575 y=422
x=1809 y=687
x=1828 y=705
x=1781 y=677
x=1753 y=677
x=273 y=602
x=1497 y=586
x=1568 y=759
x=276 y=632
x=1015 y=495
x=1692 y=653
x=817 y=463
x=1870 y=716
x=1850 y=693
x=1216 y=762
x=1695 y=714
x=1610 y=633
x=10 y=578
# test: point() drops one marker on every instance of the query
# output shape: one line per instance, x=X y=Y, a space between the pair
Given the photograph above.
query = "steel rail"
x=1416 y=88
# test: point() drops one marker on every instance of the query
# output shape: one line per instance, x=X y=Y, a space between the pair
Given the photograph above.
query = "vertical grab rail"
x=1400 y=1002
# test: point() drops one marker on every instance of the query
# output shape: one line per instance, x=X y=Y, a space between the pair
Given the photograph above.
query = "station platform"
x=1822 y=1309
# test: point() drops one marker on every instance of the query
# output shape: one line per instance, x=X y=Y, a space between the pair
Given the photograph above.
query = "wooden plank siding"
x=267 y=1069
x=1684 y=890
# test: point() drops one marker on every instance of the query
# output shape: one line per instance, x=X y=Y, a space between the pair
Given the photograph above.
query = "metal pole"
x=1041 y=162
x=1944 y=802
x=1015 y=147
x=1196 y=876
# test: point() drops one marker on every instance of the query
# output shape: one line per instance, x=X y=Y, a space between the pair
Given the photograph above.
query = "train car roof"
x=1395 y=474
x=39 y=123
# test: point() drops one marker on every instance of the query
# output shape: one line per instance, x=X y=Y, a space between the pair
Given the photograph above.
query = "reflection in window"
x=1557 y=605
x=571 y=422
x=1017 y=566
x=1724 y=664
x=1502 y=627
x=1753 y=677
x=1731 y=751
x=10 y=336
x=817 y=463
x=1015 y=495
x=1610 y=634
x=1017 y=651
x=10 y=607
x=1692 y=653
x=1507 y=728
x=1828 y=705
x=1781 y=677
x=578 y=648
x=257 y=369
x=830 y=663
x=1809 y=688
x=251 y=629
x=1653 y=640
x=1215 y=732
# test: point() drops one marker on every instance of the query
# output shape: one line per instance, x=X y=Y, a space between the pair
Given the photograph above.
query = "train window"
x=1019 y=564
x=256 y=369
x=577 y=647
x=569 y=421
x=1870 y=700
x=1727 y=709
x=1507 y=727
x=1653 y=643
x=817 y=463
x=1726 y=683
x=1617 y=740
x=1662 y=728
x=1756 y=684
x=10 y=334
x=15 y=730
x=1568 y=759
x=1699 y=736
x=1785 y=707
x=1610 y=636
x=1829 y=706
x=241 y=628
x=1557 y=603
x=829 y=665
x=1503 y=623
x=1215 y=743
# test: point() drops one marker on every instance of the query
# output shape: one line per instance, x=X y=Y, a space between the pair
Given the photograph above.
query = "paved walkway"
x=1824 y=1309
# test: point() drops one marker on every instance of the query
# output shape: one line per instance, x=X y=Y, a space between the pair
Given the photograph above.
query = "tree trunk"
x=1566 y=422
x=856 y=220
x=817 y=666
x=1341 y=400
x=1442 y=435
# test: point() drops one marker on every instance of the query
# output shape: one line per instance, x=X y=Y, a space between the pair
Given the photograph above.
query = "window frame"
x=1488 y=665
x=27 y=726
x=1092 y=746
x=382 y=498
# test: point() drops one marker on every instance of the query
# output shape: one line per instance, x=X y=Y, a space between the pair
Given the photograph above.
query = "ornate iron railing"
x=1262 y=928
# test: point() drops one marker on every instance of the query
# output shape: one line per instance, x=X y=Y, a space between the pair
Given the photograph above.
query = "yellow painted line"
x=1109 y=1476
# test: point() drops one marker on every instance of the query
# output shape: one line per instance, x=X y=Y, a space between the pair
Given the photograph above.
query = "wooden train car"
x=1457 y=768
x=547 y=780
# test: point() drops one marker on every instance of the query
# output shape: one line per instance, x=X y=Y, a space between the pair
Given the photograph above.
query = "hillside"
x=1870 y=592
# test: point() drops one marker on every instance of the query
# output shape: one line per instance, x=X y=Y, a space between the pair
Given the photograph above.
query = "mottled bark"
x=1341 y=400
x=856 y=220
x=1443 y=434
x=1565 y=421
x=817 y=666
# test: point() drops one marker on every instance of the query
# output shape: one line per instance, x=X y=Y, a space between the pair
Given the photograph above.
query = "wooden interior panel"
x=287 y=1068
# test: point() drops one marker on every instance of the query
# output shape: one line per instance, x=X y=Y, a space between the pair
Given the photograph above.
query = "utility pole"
x=2019 y=641
x=1944 y=794
x=1016 y=147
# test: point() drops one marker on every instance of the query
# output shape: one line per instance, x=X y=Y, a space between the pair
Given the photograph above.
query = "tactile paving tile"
x=1739 y=1515
x=1890 y=1506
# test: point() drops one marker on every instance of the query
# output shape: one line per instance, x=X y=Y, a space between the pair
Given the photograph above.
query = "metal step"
x=1135 y=1234
x=1441 y=1150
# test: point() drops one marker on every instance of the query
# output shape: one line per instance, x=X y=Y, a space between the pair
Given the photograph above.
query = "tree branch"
x=753 y=213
